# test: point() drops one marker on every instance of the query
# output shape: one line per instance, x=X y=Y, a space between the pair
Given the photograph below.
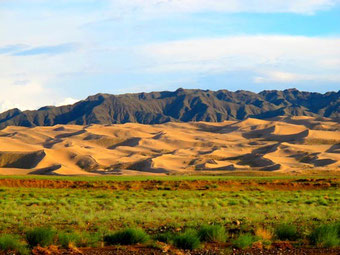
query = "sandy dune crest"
x=289 y=144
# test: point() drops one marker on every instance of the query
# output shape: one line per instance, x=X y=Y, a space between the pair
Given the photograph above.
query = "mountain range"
x=182 y=105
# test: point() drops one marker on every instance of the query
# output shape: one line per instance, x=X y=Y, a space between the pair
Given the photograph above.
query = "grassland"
x=92 y=210
x=99 y=210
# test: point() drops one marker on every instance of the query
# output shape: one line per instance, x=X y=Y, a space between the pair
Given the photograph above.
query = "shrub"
x=325 y=236
x=322 y=201
x=40 y=236
x=286 y=232
x=127 y=236
x=212 y=233
x=66 y=240
x=244 y=241
x=12 y=243
x=164 y=237
x=264 y=234
x=89 y=239
x=187 y=240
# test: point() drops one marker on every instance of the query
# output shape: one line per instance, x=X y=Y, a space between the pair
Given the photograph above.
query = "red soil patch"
x=221 y=185
x=209 y=250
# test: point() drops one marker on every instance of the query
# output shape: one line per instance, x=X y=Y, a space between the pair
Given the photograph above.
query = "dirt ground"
x=210 y=250
x=221 y=185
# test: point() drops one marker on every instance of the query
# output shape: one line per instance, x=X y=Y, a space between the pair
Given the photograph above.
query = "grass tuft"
x=166 y=237
x=188 y=240
x=12 y=243
x=244 y=241
x=212 y=233
x=286 y=232
x=40 y=236
x=326 y=236
x=66 y=239
x=263 y=233
x=127 y=236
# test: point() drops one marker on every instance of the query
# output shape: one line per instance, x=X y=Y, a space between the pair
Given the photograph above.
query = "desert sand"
x=285 y=144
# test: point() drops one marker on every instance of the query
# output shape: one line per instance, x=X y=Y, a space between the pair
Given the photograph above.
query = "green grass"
x=244 y=241
x=11 y=243
x=42 y=236
x=81 y=217
x=127 y=236
x=286 y=232
x=96 y=210
x=212 y=233
x=166 y=237
x=326 y=236
x=188 y=240
x=68 y=239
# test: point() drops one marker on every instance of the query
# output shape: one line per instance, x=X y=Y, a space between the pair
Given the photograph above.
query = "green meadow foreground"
x=236 y=211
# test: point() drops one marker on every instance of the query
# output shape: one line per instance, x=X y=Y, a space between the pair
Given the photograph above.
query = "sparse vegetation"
x=188 y=240
x=164 y=237
x=263 y=233
x=326 y=236
x=212 y=233
x=244 y=241
x=68 y=239
x=127 y=236
x=10 y=243
x=86 y=217
x=42 y=236
x=286 y=232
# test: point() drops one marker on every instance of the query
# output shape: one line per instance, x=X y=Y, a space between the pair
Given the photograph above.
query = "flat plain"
x=93 y=207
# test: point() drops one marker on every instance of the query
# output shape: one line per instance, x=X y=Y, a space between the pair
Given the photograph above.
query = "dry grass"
x=263 y=233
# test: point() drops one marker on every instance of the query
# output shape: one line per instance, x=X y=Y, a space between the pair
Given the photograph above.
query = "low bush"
x=12 y=243
x=127 y=236
x=244 y=241
x=212 y=233
x=286 y=232
x=188 y=240
x=164 y=237
x=263 y=233
x=67 y=239
x=326 y=236
x=40 y=236
x=89 y=239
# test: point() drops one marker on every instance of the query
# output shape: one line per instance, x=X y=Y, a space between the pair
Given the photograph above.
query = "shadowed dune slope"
x=280 y=144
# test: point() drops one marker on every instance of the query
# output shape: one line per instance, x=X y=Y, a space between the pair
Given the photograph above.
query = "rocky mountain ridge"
x=182 y=105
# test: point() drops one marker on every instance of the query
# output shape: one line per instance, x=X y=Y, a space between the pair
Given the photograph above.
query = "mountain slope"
x=180 y=105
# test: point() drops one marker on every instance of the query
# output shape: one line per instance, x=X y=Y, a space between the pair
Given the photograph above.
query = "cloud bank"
x=273 y=58
x=227 y=6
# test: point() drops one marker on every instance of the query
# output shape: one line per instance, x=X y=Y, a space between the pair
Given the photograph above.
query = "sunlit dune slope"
x=289 y=144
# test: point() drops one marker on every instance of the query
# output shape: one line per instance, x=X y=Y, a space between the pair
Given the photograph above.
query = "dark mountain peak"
x=11 y=111
x=292 y=90
x=46 y=108
x=97 y=97
x=180 y=105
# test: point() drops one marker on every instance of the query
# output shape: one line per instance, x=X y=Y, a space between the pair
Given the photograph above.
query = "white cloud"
x=159 y=7
x=67 y=101
x=28 y=96
x=231 y=6
x=279 y=58
x=285 y=77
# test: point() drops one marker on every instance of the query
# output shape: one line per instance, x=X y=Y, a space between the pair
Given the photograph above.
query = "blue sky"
x=56 y=52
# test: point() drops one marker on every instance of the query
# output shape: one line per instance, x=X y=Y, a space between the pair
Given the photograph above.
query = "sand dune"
x=283 y=144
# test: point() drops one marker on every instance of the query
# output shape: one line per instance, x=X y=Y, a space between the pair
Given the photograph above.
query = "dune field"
x=285 y=144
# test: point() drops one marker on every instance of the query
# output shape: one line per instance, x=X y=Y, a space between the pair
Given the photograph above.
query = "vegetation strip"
x=201 y=184
x=45 y=240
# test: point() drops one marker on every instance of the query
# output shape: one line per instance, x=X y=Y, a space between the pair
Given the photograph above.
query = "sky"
x=55 y=52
